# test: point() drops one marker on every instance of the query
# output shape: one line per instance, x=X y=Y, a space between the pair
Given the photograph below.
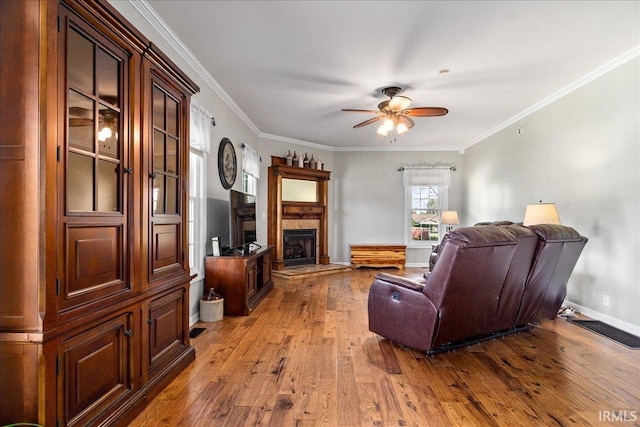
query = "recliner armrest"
x=401 y=281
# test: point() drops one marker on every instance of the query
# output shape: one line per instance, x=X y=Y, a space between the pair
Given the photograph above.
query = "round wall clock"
x=227 y=163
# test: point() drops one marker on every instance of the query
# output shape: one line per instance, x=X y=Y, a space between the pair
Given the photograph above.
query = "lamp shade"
x=541 y=213
x=449 y=218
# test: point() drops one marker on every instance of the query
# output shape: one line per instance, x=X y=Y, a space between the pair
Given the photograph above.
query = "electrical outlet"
x=605 y=300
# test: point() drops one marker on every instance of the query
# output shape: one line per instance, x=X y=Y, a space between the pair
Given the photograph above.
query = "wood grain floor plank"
x=347 y=394
x=328 y=404
x=305 y=358
x=369 y=406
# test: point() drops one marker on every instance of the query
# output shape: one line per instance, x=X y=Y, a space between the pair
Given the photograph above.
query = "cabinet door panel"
x=252 y=273
x=266 y=271
x=96 y=370
x=167 y=246
x=166 y=328
x=94 y=267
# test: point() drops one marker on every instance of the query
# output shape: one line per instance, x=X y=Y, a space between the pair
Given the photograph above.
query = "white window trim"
x=199 y=217
x=201 y=122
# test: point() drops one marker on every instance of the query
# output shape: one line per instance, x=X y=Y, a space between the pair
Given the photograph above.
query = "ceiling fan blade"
x=355 y=110
x=399 y=103
x=368 y=122
x=426 y=111
x=406 y=120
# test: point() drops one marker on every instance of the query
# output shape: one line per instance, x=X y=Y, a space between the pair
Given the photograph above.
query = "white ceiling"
x=289 y=67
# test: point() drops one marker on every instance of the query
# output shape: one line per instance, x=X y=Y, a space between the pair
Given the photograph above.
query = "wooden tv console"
x=378 y=256
x=242 y=280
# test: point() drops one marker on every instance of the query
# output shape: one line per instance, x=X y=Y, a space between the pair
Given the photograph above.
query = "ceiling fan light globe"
x=398 y=103
x=382 y=130
x=388 y=125
x=402 y=128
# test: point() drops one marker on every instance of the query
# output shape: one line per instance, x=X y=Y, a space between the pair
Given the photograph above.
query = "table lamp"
x=541 y=213
x=449 y=218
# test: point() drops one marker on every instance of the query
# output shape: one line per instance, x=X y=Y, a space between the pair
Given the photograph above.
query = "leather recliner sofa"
x=435 y=248
x=490 y=279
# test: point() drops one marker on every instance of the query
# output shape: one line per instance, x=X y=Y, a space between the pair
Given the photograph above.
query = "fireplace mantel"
x=280 y=211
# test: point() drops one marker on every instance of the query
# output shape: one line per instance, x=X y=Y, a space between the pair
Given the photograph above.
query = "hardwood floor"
x=305 y=357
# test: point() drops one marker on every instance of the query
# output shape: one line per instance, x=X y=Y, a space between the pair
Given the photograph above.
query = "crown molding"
x=146 y=10
x=395 y=149
x=352 y=149
x=584 y=80
x=296 y=141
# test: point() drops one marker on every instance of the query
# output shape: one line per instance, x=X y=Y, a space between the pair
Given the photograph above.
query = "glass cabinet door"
x=93 y=233
x=94 y=111
x=167 y=172
x=165 y=153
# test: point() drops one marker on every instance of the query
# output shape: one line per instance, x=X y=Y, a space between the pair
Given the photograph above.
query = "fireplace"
x=299 y=247
x=288 y=212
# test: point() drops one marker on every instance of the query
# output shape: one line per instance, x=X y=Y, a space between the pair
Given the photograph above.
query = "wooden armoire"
x=94 y=275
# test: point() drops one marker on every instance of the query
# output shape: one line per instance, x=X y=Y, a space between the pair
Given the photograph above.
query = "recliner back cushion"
x=557 y=253
x=514 y=283
x=466 y=282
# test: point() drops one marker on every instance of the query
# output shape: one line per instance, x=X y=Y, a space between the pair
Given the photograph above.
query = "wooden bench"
x=378 y=256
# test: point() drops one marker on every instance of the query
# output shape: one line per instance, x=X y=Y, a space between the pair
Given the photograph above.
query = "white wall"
x=581 y=152
x=368 y=198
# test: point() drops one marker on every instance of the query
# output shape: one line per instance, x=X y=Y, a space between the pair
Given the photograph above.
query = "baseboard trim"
x=194 y=319
x=609 y=320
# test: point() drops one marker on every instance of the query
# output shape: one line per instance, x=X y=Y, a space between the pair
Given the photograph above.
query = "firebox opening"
x=299 y=247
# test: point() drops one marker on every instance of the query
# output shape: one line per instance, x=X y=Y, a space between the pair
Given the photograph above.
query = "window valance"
x=440 y=177
x=250 y=161
x=200 y=130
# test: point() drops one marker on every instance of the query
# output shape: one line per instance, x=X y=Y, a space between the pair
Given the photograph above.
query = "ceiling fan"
x=395 y=112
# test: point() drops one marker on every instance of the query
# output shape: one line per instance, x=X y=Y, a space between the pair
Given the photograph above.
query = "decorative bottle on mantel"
x=289 y=158
x=312 y=163
x=318 y=164
x=305 y=162
x=294 y=160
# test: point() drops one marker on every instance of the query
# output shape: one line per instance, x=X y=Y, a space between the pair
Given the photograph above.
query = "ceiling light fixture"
x=395 y=113
x=390 y=124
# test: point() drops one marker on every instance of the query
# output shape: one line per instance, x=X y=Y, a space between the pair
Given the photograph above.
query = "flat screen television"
x=218 y=224
x=232 y=221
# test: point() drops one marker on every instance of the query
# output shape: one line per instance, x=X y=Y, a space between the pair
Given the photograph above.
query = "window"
x=250 y=170
x=201 y=122
x=196 y=212
x=426 y=196
x=249 y=184
x=425 y=214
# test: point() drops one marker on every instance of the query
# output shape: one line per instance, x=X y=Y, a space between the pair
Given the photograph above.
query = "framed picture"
x=216 y=246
